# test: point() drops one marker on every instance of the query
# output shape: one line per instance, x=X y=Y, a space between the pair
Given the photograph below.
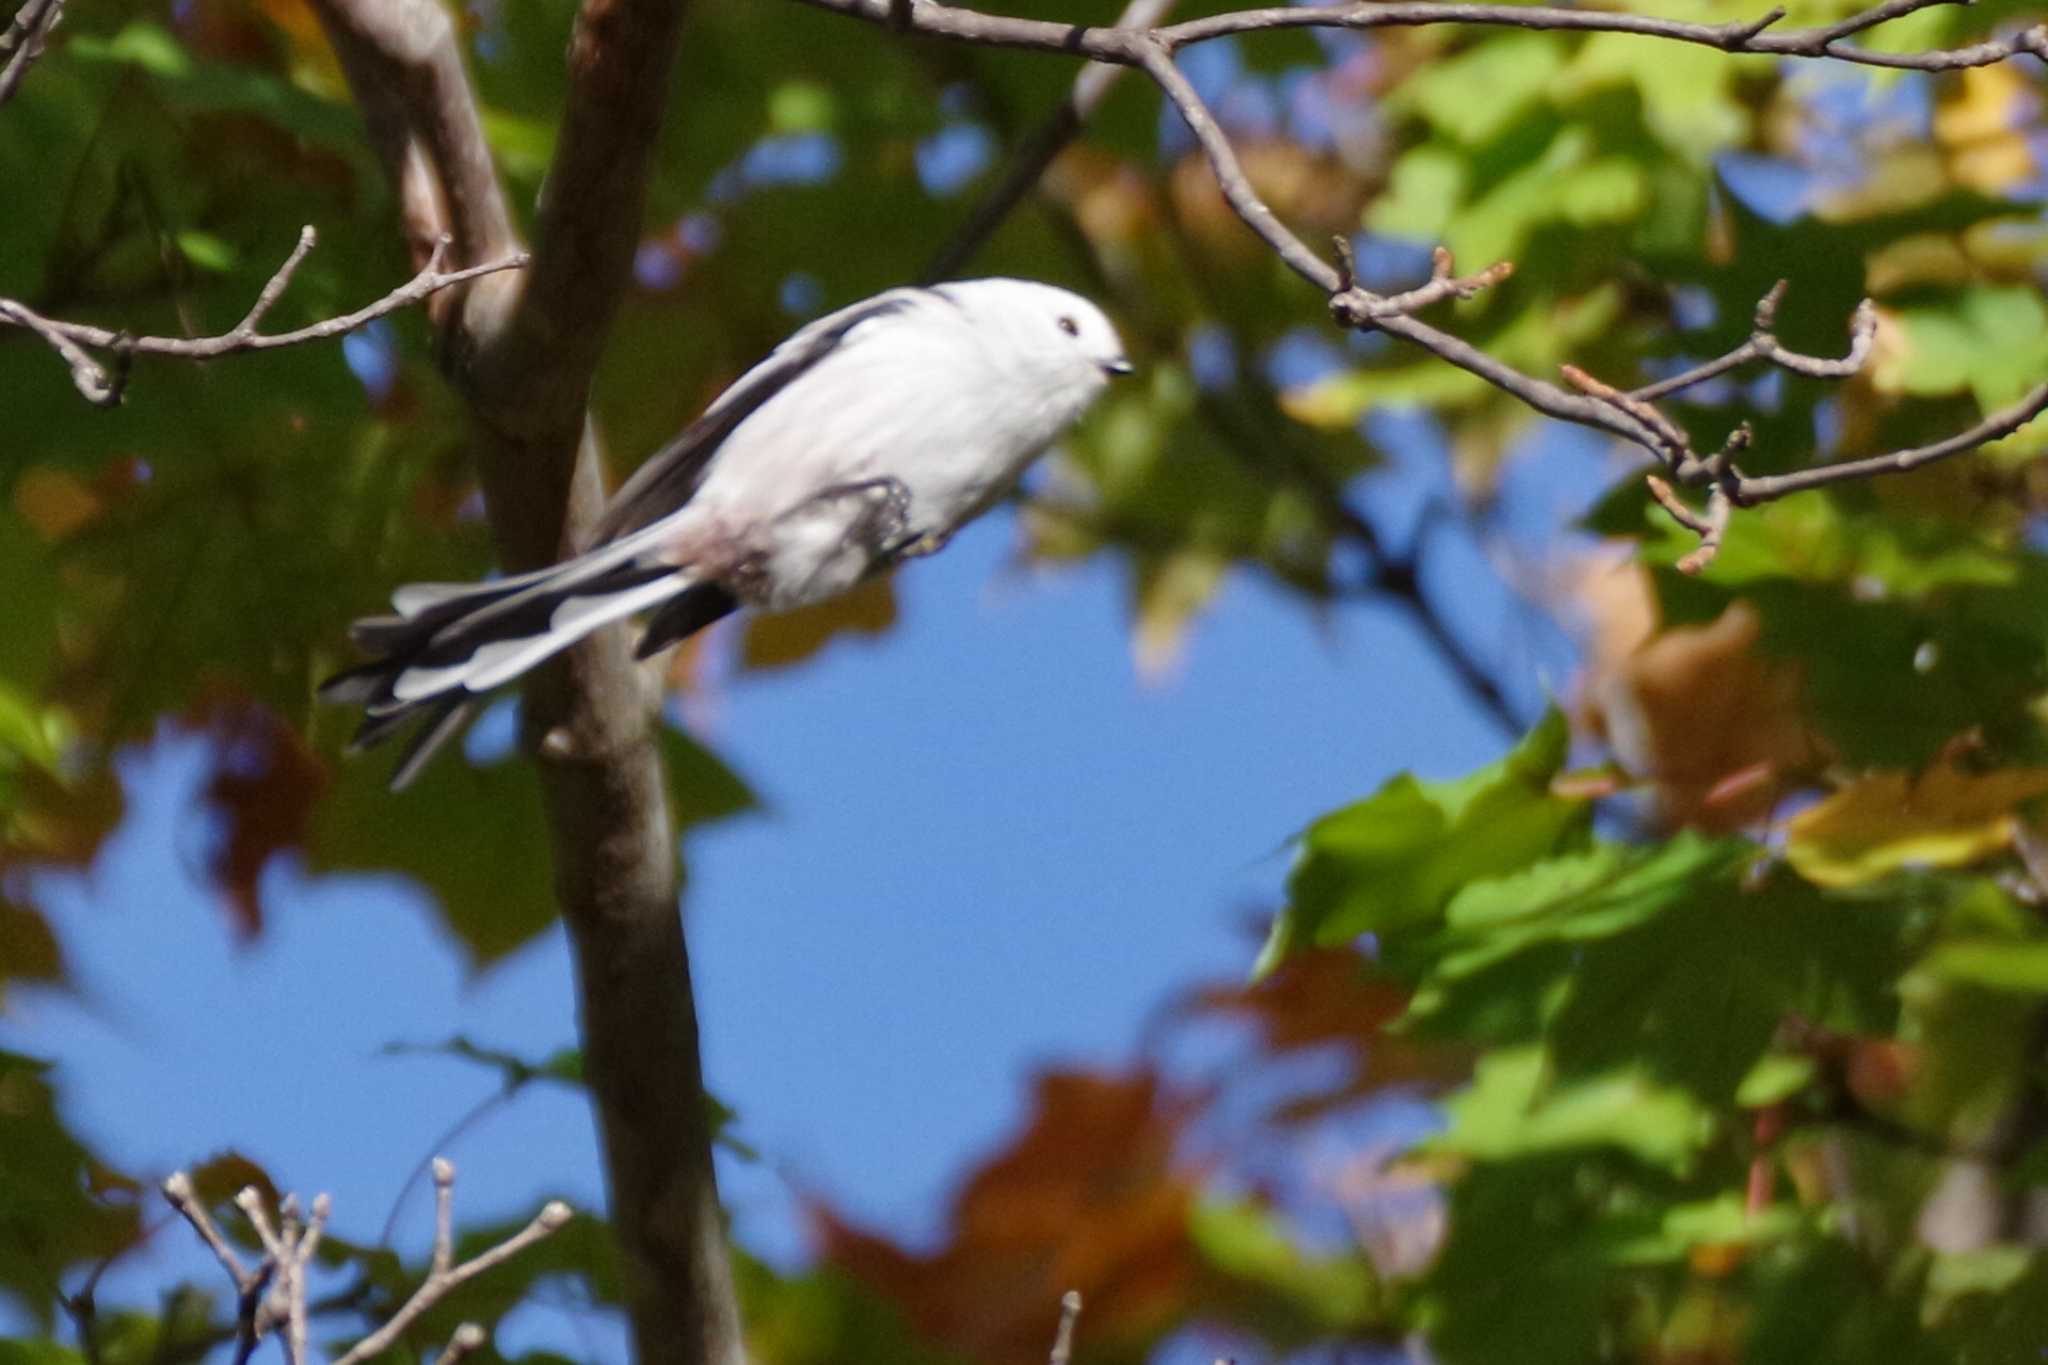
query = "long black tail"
x=450 y=644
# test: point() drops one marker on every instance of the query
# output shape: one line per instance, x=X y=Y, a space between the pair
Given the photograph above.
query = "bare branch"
x=1672 y=503
x=91 y=381
x=1157 y=59
x=1358 y=308
x=71 y=339
x=444 y=1215
x=178 y=1190
x=405 y=68
x=1668 y=441
x=1731 y=488
x=1632 y=416
x=1758 y=36
x=1763 y=344
x=22 y=41
x=1750 y=491
x=468 y=1337
x=441 y=1281
x=1063 y=1338
x=1720 y=506
x=274 y=1293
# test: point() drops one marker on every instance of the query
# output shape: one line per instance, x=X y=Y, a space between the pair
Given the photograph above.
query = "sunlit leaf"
x=1395 y=858
x=1883 y=822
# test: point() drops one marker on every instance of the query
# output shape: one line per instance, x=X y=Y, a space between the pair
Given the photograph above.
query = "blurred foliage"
x=1735 y=1029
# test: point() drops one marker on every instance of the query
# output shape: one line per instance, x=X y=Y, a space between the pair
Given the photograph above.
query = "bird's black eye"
x=1070 y=327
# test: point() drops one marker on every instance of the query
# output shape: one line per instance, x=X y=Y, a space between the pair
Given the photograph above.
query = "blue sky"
x=986 y=846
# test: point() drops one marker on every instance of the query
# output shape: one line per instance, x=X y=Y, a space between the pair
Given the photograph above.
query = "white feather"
x=505 y=660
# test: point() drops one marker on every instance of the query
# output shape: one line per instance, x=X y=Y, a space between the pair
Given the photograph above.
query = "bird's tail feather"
x=450 y=643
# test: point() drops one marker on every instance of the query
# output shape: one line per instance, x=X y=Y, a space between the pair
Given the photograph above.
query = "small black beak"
x=1118 y=366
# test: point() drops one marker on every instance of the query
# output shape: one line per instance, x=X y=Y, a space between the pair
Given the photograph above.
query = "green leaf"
x=59 y=1205
x=825 y=1317
x=1250 y=1242
x=564 y=1065
x=1776 y=1077
x=802 y=107
x=488 y=867
x=1997 y=964
x=1481 y=92
x=207 y=251
x=1989 y=341
x=1724 y=1221
x=1395 y=859
x=142 y=44
x=702 y=789
x=1515 y=1108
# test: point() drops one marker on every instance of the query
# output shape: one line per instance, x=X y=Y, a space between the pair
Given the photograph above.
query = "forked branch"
x=1632 y=416
x=75 y=340
x=271 y=1295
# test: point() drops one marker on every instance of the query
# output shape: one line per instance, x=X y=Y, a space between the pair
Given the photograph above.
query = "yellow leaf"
x=1988 y=101
x=1981 y=127
x=1886 y=821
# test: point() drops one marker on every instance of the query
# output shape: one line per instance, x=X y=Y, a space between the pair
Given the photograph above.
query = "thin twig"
x=444 y=1276
x=1627 y=415
x=1063 y=1338
x=71 y=339
x=1669 y=501
x=178 y=1190
x=444 y=1216
x=468 y=1337
x=23 y=40
x=1157 y=58
x=274 y=1293
x=1669 y=441
x=1763 y=344
x=1361 y=309
x=1751 y=490
x=1757 y=36
x=1715 y=525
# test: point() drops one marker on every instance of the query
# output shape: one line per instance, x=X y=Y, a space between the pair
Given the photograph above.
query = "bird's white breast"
x=940 y=405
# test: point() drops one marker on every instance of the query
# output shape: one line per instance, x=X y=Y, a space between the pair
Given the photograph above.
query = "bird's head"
x=1057 y=330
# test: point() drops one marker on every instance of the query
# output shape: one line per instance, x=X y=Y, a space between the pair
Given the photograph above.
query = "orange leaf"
x=1086 y=1198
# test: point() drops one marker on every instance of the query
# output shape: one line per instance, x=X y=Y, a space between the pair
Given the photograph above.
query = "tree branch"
x=1063 y=1337
x=1631 y=416
x=522 y=357
x=96 y=386
x=22 y=41
x=1757 y=37
x=273 y=1294
x=1729 y=488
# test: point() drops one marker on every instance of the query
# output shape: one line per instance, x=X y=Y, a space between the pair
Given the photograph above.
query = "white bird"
x=868 y=437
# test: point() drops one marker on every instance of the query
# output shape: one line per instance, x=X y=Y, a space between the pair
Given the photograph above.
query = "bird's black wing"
x=671 y=475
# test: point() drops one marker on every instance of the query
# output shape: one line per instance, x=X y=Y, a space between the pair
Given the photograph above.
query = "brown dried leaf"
x=264 y=788
x=1086 y=1198
x=1699 y=712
